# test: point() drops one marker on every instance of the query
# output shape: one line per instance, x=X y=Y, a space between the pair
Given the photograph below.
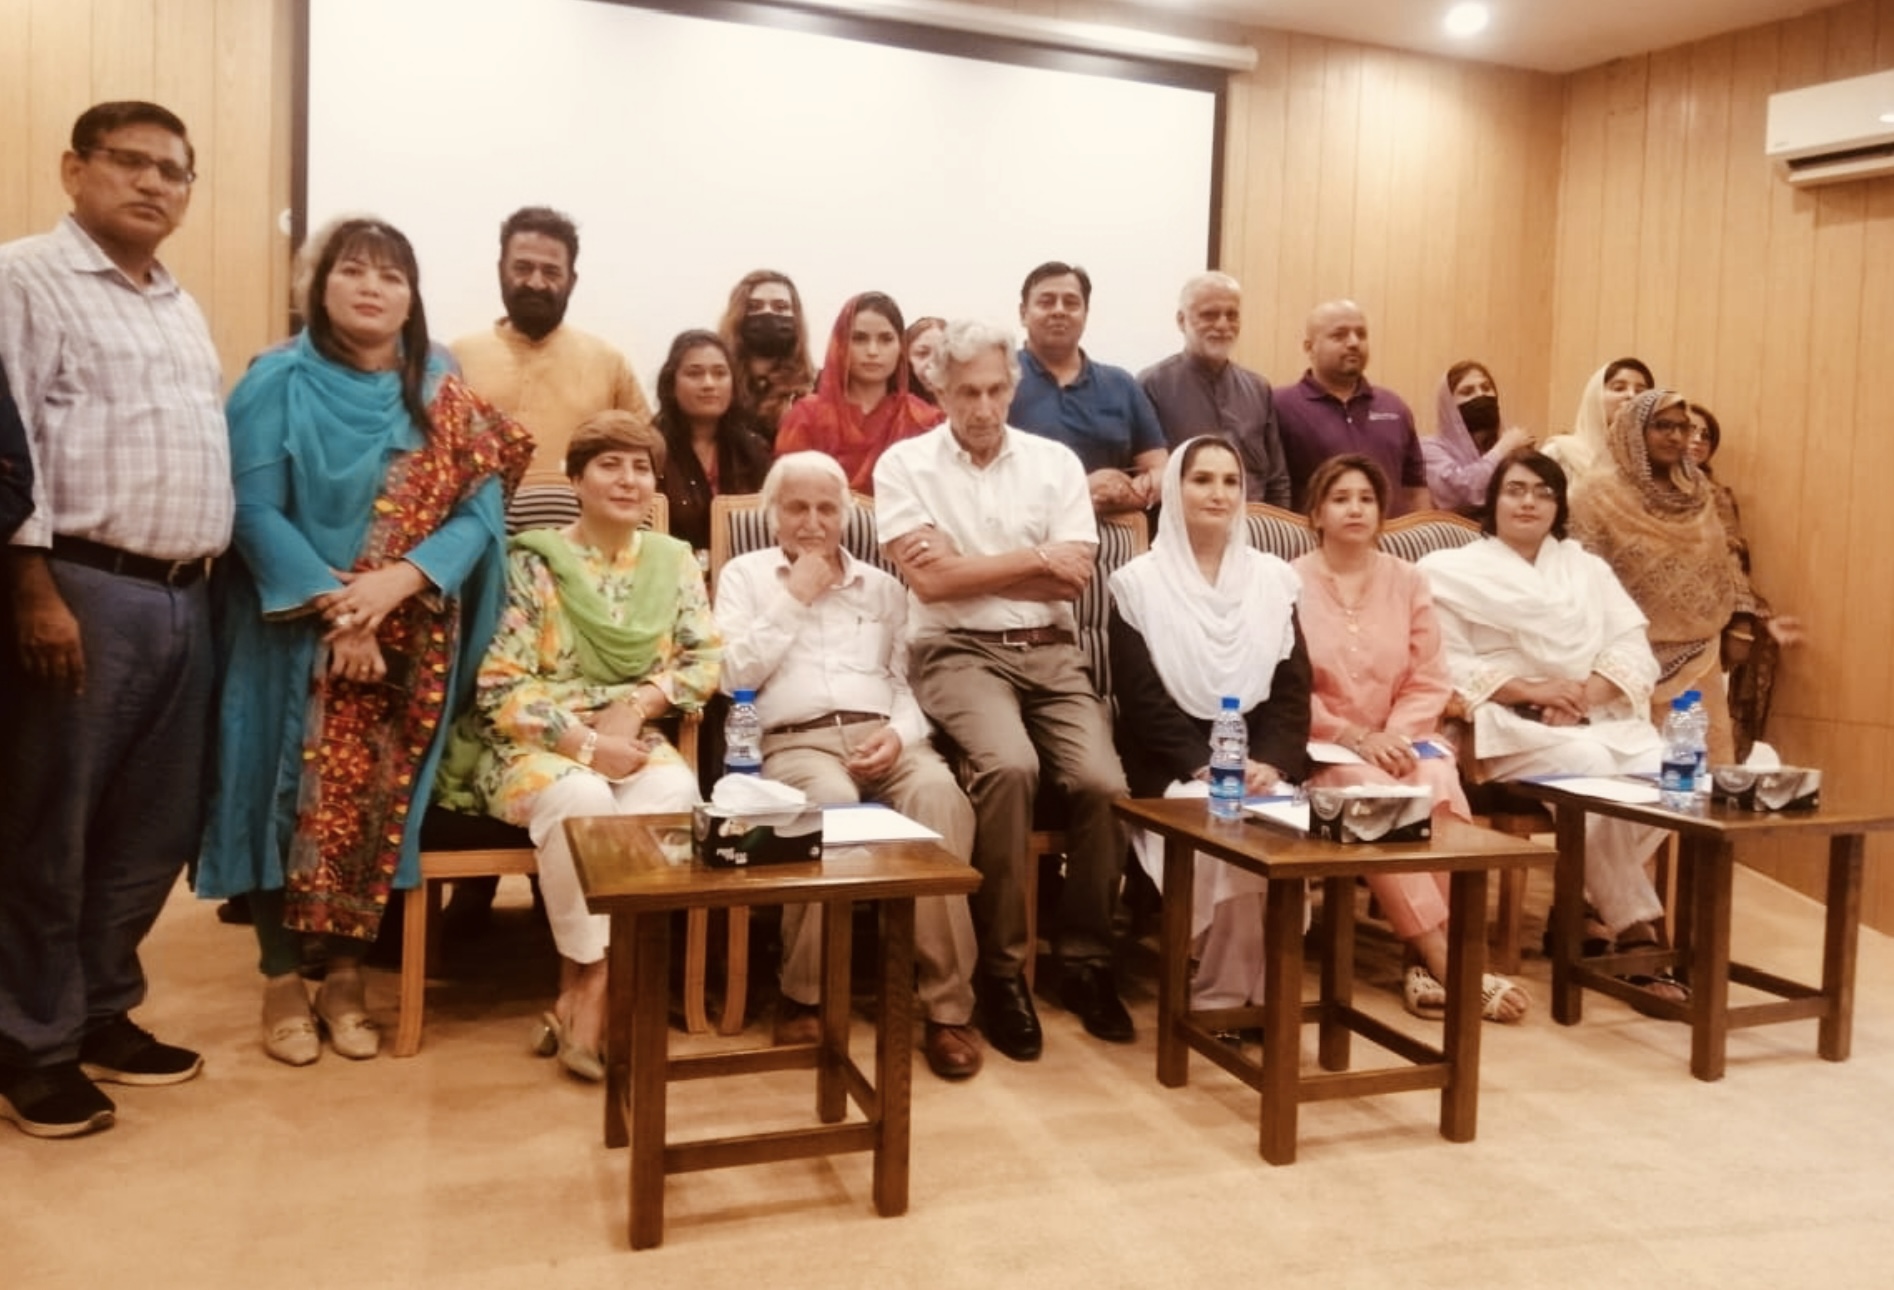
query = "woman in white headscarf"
x=1610 y=388
x=1200 y=616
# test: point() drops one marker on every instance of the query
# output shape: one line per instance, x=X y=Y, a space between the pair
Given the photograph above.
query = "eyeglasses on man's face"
x=134 y=163
x=1518 y=490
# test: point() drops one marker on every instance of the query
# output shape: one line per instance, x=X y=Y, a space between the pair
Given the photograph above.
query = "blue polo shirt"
x=1374 y=422
x=1103 y=416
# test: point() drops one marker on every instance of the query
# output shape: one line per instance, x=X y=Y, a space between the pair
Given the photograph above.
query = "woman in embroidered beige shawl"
x=1647 y=509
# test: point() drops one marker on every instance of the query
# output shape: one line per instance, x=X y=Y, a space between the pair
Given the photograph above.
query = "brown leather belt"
x=1022 y=637
x=825 y=721
x=96 y=555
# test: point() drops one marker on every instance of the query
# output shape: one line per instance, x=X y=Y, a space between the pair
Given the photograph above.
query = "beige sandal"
x=1493 y=989
x=1422 y=994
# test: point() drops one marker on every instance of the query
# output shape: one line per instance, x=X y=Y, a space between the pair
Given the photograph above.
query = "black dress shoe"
x=1088 y=991
x=1007 y=1017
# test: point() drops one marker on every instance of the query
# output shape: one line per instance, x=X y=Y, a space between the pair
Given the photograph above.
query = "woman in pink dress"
x=1381 y=686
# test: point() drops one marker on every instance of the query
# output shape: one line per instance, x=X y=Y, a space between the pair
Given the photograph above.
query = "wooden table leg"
x=894 y=1056
x=1840 y=945
x=1282 y=1018
x=1708 y=866
x=838 y=931
x=1466 y=964
x=1173 y=963
x=1338 y=972
x=1682 y=934
x=620 y=981
x=1568 y=914
x=650 y=1020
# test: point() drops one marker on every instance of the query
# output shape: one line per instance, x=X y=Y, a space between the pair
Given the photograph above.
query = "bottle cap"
x=1680 y=704
x=746 y=696
x=1231 y=703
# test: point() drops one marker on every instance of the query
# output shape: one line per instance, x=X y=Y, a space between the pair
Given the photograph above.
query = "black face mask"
x=534 y=310
x=768 y=335
x=1481 y=415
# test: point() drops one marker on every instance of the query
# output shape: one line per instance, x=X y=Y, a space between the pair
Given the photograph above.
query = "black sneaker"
x=54 y=1101
x=119 y=1052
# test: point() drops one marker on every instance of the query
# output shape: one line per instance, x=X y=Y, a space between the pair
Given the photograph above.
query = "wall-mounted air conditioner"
x=1827 y=133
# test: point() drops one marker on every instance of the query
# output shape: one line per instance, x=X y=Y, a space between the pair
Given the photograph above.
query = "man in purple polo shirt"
x=1333 y=410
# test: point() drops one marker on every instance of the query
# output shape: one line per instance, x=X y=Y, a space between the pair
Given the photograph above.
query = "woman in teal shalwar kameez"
x=368 y=572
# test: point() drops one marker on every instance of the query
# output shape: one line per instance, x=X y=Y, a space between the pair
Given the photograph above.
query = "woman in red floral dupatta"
x=861 y=402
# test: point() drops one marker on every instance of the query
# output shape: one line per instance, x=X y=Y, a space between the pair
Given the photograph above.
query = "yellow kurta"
x=550 y=386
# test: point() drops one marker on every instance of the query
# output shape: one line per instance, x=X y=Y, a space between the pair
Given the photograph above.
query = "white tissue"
x=747 y=793
x=758 y=800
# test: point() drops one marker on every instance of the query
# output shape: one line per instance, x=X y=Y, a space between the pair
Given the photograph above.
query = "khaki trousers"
x=1020 y=715
x=921 y=787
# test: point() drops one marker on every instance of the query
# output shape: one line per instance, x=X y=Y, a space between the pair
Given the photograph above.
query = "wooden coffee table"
x=1701 y=945
x=1287 y=860
x=638 y=870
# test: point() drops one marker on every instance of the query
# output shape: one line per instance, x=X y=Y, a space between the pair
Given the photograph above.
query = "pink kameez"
x=1381 y=665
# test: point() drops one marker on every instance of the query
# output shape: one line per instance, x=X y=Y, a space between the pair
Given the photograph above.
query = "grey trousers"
x=1021 y=715
x=921 y=787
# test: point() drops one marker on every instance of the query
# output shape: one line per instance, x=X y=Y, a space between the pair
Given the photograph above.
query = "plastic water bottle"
x=1700 y=736
x=1677 y=787
x=1229 y=758
x=743 y=737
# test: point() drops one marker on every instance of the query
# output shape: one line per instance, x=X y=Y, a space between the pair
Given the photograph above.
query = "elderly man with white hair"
x=992 y=527
x=1203 y=390
x=820 y=637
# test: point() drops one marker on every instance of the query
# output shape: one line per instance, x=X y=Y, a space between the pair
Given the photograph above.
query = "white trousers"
x=581 y=935
x=1226 y=917
x=1615 y=850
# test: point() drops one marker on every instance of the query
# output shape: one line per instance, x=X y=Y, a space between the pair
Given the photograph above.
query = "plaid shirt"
x=122 y=398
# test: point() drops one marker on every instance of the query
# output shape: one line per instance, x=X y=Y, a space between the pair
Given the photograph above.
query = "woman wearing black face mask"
x=764 y=328
x=1467 y=442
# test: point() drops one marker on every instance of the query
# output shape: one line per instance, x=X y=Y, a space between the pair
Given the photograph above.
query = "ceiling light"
x=1887 y=118
x=1467 y=19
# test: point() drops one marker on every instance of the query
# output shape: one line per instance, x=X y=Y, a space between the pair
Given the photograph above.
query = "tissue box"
x=1786 y=788
x=730 y=839
x=1371 y=813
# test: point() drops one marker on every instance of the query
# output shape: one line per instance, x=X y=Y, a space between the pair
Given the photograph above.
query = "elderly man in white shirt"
x=993 y=530
x=820 y=637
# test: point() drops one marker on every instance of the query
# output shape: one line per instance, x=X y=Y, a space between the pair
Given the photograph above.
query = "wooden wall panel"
x=1422 y=188
x=221 y=65
x=1774 y=306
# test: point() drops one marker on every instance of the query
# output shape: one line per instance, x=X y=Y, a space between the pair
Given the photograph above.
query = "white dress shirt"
x=847 y=652
x=1031 y=493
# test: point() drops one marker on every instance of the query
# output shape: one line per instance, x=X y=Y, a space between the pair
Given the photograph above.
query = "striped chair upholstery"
x=738 y=527
x=1286 y=534
x=1412 y=536
x=1120 y=539
x=1280 y=533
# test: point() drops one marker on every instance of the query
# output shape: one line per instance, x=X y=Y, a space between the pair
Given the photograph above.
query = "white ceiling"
x=1548 y=35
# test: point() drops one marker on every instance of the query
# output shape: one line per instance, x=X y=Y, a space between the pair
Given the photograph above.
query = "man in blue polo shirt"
x=1333 y=410
x=1097 y=411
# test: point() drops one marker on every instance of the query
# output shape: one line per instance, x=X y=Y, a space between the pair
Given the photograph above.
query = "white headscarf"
x=1208 y=641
